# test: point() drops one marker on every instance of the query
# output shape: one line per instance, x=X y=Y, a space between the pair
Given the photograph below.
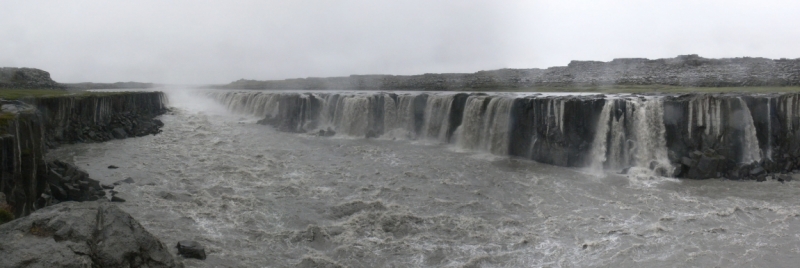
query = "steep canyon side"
x=30 y=126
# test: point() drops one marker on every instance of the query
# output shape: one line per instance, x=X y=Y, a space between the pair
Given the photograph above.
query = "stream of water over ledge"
x=257 y=197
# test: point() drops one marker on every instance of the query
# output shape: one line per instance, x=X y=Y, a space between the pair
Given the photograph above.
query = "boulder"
x=75 y=185
x=707 y=167
x=81 y=234
x=119 y=133
x=191 y=249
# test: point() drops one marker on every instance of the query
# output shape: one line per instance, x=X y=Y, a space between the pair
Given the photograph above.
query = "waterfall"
x=769 y=128
x=649 y=131
x=437 y=114
x=404 y=122
x=618 y=151
x=389 y=113
x=751 y=152
x=472 y=123
x=496 y=126
x=353 y=115
x=630 y=131
x=599 y=144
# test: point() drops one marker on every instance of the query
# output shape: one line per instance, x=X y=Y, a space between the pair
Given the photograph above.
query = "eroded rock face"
x=22 y=166
x=98 y=118
x=31 y=78
x=86 y=234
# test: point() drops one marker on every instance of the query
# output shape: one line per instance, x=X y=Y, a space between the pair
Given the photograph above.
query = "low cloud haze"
x=196 y=42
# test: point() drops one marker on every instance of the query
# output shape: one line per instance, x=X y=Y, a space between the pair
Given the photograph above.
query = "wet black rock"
x=81 y=234
x=191 y=249
x=757 y=171
x=327 y=133
x=119 y=133
x=318 y=262
x=68 y=182
x=127 y=180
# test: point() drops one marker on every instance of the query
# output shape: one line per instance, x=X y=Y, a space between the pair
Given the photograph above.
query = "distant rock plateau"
x=26 y=78
x=684 y=71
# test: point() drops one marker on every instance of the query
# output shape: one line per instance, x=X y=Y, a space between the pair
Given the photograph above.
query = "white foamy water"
x=256 y=197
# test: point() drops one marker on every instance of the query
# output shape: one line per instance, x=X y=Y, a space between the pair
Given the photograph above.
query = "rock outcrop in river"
x=81 y=234
x=684 y=70
x=736 y=136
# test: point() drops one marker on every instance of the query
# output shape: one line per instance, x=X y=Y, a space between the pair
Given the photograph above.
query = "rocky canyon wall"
x=29 y=126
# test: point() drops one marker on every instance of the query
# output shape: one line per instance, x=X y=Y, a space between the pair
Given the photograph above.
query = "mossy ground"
x=5 y=215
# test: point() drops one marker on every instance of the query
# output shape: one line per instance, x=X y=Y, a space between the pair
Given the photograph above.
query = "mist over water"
x=257 y=197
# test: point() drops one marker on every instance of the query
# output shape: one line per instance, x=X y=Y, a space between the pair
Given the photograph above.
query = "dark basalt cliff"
x=26 y=78
x=29 y=126
x=685 y=70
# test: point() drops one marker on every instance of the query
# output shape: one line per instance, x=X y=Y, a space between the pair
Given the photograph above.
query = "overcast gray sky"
x=221 y=41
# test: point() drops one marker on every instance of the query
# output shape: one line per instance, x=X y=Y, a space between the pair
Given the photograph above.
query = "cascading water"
x=651 y=145
x=353 y=116
x=496 y=126
x=437 y=113
x=634 y=138
x=751 y=151
x=629 y=131
x=769 y=129
x=600 y=142
x=471 y=129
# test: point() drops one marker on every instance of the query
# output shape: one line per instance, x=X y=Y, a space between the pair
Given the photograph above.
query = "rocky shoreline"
x=64 y=218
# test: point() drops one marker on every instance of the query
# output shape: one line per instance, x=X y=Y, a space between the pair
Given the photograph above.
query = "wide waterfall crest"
x=690 y=135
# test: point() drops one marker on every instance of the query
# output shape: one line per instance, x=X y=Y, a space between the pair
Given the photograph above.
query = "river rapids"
x=258 y=197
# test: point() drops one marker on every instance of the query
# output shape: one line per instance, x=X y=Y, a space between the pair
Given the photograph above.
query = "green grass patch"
x=15 y=94
x=5 y=215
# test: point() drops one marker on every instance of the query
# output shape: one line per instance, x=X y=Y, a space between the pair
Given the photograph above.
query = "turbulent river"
x=257 y=197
